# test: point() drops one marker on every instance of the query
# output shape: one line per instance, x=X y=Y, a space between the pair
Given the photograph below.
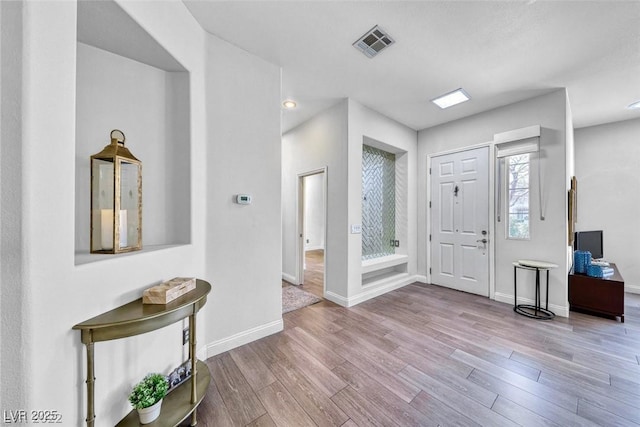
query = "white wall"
x=366 y=124
x=49 y=293
x=147 y=104
x=314 y=212
x=243 y=156
x=334 y=139
x=607 y=159
x=318 y=143
x=549 y=237
x=13 y=384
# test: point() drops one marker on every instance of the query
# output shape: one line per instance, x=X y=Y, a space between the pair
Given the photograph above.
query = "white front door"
x=460 y=220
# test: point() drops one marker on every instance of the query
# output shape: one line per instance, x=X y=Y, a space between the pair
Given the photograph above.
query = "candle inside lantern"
x=106 y=220
x=123 y=228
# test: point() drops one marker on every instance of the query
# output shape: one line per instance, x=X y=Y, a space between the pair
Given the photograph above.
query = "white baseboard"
x=370 y=292
x=632 y=289
x=338 y=299
x=313 y=248
x=421 y=279
x=201 y=353
x=559 y=310
x=244 y=337
x=289 y=278
x=379 y=290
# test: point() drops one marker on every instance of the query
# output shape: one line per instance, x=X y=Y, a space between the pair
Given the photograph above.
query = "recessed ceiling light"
x=634 y=106
x=452 y=98
x=289 y=104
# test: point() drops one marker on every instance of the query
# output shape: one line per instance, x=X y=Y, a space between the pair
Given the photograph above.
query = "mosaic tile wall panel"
x=378 y=202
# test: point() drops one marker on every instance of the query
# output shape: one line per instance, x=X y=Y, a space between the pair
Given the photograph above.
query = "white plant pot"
x=149 y=415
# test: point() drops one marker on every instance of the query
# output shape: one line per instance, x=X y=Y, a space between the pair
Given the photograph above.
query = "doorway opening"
x=312 y=231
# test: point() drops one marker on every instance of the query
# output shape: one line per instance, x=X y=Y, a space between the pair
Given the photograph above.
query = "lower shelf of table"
x=534 y=312
x=176 y=406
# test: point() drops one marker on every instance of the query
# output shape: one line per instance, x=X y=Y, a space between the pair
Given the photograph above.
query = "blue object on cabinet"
x=581 y=261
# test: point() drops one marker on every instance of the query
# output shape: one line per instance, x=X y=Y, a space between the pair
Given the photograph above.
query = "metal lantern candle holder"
x=116 y=186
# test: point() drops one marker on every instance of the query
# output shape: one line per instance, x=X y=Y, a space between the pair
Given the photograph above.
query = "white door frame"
x=492 y=231
x=300 y=225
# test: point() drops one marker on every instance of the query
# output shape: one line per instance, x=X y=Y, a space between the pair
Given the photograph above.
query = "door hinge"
x=429 y=171
x=429 y=237
x=429 y=204
x=429 y=270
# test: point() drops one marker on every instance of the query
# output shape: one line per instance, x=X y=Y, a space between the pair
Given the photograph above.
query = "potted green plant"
x=147 y=396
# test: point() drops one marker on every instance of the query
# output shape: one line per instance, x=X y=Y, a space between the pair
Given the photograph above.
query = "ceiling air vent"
x=373 y=42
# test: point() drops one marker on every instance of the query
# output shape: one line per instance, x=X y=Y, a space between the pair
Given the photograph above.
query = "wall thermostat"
x=243 y=199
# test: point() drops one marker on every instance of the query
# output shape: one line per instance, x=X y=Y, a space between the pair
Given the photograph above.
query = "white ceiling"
x=499 y=52
x=103 y=24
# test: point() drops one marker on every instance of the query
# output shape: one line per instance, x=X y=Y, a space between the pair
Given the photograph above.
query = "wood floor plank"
x=604 y=397
x=568 y=401
x=362 y=411
x=439 y=414
x=282 y=407
x=397 y=409
x=624 y=385
x=367 y=347
x=454 y=398
x=311 y=398
x=521 y=415
x=242 y=404
x=355 y=333
x=323 y=353
x=404 y=389
x=600 y=416
x=538 y=405
x=252 y=367
x=263 y=421
x=318 y=373
x=450 y=374
x=545 y=363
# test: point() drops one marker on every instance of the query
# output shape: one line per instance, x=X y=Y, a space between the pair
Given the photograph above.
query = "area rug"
x=294 y=298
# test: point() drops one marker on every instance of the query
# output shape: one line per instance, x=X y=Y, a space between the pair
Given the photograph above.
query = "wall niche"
x=126 y=80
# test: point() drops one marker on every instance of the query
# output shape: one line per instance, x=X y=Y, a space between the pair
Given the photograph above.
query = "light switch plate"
x=356 y=228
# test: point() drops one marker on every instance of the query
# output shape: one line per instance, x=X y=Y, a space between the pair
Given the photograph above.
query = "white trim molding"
x=289 y=278
x=244 y=337
x=632 y=289
x=422 y=279
x=371 y=293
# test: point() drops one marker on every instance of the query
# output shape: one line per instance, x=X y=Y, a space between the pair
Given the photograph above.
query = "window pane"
x=518 y=196
x=519 y=200
x=519 y=226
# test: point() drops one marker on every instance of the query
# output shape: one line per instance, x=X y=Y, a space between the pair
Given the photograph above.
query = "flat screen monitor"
x=589 y=241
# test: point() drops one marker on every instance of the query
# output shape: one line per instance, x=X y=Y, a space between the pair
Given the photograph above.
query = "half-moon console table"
x=136 y=318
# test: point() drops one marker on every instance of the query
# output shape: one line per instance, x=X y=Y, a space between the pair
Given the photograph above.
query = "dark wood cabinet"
x=593 y=295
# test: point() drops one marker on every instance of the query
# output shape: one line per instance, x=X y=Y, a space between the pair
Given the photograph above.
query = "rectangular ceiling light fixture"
x=452 y=98
x=373 y=42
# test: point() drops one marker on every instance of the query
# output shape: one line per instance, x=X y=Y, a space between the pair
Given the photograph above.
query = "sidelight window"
x=518 y=196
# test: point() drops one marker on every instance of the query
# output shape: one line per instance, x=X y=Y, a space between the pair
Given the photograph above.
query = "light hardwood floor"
x=424 y=355
x=313 y=273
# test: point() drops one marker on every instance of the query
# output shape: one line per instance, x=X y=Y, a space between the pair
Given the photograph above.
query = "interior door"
x=459 y=235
